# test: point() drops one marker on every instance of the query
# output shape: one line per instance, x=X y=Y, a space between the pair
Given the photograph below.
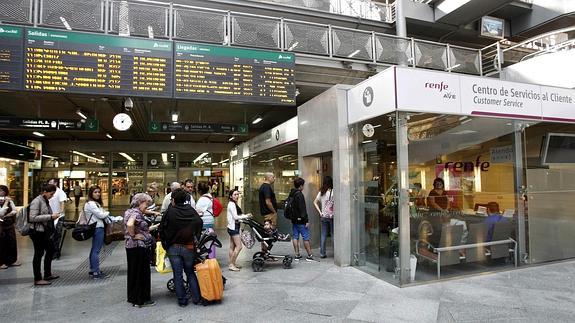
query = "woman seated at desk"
x=437 y=199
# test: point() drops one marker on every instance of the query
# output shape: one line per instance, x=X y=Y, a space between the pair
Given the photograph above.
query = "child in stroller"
x=268 y=235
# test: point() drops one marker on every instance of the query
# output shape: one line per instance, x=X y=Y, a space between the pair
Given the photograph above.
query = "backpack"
x=327 y=211
x=289 y=207
x=23 y=221
x=217 y=207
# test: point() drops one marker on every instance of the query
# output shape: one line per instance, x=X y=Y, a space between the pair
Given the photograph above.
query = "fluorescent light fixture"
x=175 y=116
x=353 y=54
x=48 y=156
x=452 y=67
x=232 y=138
x=81 y=114
x=448 y=6
x=65 y=23
x=88 y=156
x=173 y=137
x=225 y=161
x=214 y=164
x=39 y=134
x=109 y=136
x=257 y=120
x=202 y=155
x=76 y=163
x=128 y=157
x=294 y=45
x=367 y=141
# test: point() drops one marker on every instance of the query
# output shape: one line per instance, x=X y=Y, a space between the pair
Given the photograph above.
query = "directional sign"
x=209 y=128
x=49 y=124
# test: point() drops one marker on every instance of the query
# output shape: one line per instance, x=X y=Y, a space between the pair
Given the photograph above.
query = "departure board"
x=11 y=57
x=63 y=61
x=233 y=74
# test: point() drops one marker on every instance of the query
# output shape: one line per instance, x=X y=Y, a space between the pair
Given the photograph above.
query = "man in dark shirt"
x=267 y=199
x=181 y=227
x=299 y=219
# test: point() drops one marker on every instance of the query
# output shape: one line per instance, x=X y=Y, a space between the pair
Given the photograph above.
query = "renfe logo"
x=440 y=87
x=437 y=86
x=367 y=96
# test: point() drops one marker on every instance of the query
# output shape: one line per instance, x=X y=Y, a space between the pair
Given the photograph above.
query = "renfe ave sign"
x=409 y=89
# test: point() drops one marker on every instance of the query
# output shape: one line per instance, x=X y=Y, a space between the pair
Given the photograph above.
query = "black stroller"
x=205 y=243
x=259 y=258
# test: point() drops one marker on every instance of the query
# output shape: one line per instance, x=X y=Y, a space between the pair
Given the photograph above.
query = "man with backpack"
x=298 y=215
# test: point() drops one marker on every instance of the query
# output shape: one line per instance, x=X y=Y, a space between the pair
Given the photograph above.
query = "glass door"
x=376 y=244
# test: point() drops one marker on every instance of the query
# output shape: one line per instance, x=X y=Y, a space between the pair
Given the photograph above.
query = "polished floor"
x=309 y=292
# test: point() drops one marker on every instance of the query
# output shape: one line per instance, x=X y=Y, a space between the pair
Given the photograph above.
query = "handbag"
x=163 y=264
x=327 y=211
x=83 y=231
x=114 y=232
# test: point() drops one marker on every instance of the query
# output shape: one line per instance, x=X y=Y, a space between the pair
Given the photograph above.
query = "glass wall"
x=12 y=175
x=550 y=191
x=462 y=192
x=283 y=162
x=375 y=242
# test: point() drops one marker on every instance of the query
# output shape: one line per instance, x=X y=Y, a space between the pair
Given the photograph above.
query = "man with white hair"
x=168 y=198
x=268 y=202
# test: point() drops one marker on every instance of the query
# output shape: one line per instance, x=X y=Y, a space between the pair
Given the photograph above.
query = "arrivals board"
x=233 y=74
x=63 y=61
x=11 y=57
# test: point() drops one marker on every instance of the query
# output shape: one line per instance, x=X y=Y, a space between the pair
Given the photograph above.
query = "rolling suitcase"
x=210 y=280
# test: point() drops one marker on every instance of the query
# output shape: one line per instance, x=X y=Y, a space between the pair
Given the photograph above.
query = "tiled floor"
x=309 y=292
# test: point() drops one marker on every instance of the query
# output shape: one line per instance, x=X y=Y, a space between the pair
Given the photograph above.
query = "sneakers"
x=146 y=304
x=233 y=268
x=309 y=258
x=100 y=275
x=297 y=257
x=323 y=256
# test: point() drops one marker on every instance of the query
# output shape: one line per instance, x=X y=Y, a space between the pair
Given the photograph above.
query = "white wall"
x=553 y=69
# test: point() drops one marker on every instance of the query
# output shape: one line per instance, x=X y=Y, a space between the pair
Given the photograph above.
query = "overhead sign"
x=372 y=97
x=234 y=74
x=90 y=125
x=11 y=57
x=63 y=61
x=208 y=128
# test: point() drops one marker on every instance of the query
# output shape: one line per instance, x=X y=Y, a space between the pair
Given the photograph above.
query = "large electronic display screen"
x=11 y=57
x=63 y=61
x=225 y=73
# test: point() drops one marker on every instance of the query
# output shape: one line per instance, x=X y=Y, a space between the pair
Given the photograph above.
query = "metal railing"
x=365 y=9
x=504 y=53
x=155 y=19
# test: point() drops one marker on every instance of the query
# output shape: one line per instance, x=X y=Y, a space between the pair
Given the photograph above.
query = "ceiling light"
x=109 y=136
x=39 y=134
x=202 y=155
x=175 y=116
x=128 y=157
x=173 y=137
x=367 y=141
x=81 y=114
x=231 y=138
x=165 y=158
x=353 y=54
x=48 y=156
x=257 y=120
x=294 y=45
x=448 y=6
x=88 y=156
x=214 y=164
x=76 y=163
x=225 y=161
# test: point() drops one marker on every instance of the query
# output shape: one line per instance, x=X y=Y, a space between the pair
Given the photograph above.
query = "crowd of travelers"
x=183 y=220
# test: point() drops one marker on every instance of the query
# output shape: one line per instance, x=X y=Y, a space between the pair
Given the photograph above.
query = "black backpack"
x=289 y=207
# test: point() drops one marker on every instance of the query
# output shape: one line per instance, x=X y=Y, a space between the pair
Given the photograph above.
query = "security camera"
x=128 y=104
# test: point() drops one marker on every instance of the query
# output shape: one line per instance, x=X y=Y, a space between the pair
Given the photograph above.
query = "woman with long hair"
x=96 y=214
x=8 y=248
x=41 y=220
x=234 y=215
x=324 y=205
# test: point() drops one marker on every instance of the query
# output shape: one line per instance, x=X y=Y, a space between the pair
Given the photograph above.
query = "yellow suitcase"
x=210 y=280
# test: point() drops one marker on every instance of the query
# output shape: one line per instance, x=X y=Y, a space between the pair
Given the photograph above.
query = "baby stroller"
x=204 y=246
x=261 y=235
